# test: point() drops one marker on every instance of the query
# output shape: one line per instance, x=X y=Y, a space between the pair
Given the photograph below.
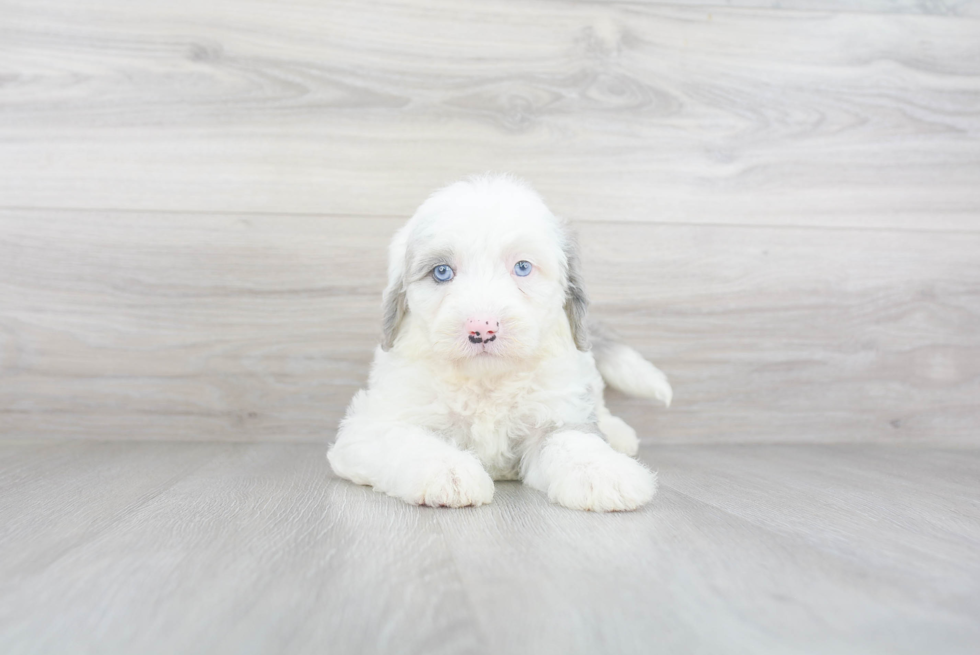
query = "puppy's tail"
x=625 y=369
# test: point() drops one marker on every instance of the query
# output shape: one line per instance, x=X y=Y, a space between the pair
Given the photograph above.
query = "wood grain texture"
x=937 y=7
x=162 y=326
x=616 y=111
x=222 y=548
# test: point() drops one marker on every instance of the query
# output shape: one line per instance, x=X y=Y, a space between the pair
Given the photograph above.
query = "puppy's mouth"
x=481 y=347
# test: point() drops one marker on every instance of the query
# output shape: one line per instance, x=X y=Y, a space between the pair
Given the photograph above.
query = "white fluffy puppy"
x=485 y=370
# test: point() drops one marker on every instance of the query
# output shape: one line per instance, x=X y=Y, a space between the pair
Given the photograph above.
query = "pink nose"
x=483 y=328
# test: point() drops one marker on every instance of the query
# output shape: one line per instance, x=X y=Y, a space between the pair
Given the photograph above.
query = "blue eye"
x=522 y=268
x=442 y=273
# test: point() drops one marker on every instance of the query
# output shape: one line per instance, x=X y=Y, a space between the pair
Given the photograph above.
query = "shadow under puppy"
x=485 y=370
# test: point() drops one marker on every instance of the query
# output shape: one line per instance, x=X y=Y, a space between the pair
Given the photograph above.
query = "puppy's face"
x=483 y=269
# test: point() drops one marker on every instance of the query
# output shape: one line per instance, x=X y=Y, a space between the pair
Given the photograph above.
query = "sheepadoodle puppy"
x=485 y=370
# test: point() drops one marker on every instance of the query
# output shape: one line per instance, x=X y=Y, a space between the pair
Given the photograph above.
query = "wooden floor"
x=232 y=548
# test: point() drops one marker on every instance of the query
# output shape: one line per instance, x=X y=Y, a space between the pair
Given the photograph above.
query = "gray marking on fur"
x=393 y=309
x=394 y=305
x=576 y=301
x=603 y=337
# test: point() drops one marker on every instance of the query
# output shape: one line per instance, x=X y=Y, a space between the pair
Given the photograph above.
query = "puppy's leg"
x=618 y=433
x=410 y=463
x=581 y=471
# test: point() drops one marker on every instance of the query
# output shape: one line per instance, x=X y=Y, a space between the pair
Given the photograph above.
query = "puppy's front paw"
x=611 y=483
x=620 y=436
x=456 y=482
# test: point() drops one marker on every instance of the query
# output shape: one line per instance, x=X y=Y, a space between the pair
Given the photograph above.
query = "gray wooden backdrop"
x=779 y=203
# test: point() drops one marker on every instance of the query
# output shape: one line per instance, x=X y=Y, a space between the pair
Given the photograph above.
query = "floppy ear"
x=393 y=308
x=394 y=305
x=576 y=302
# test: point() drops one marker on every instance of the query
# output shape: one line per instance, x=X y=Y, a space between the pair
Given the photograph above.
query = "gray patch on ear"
x=393 y=311
x=576 y=302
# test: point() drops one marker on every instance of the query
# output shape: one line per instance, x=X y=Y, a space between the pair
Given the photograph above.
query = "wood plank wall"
x=779 y=202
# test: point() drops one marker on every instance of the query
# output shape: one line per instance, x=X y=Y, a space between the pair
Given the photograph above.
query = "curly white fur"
x=446 y=412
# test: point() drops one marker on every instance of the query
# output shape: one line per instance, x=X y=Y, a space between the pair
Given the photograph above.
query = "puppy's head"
x=484 y=272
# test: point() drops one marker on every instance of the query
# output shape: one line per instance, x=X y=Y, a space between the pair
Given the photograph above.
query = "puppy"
x=485 y=370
